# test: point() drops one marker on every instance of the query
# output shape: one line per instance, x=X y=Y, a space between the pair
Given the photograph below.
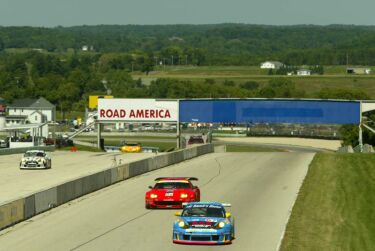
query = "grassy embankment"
x=334 y=77
x=335 y=206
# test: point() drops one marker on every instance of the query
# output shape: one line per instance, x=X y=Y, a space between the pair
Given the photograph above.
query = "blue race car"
x=204 y=223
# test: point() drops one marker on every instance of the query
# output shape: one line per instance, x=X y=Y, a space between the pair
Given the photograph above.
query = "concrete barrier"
x=190 y=153
x=123 y=172
x=151 y=165
x=161 y=161
x=92 y=183
x=368 y=148
x=176 y=157
x=45 y=200
x=42 y=201
x=29 y=207
x=114 y=175
x=138 y=167
x=345 y=149
x=203 y=149
x=69 y=191
x=11 y=213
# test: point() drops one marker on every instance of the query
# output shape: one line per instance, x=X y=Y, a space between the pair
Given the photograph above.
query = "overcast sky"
x=50 y=13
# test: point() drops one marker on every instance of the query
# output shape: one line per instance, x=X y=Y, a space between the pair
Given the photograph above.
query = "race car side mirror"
x=177 y=214
x=150 y=187
x=195 y=187
x=227 y=215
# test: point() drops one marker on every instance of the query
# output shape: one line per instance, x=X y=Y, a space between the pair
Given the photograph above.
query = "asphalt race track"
x=261 y=187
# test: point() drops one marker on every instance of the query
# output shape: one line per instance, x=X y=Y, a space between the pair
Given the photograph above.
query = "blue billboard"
x=270 y=111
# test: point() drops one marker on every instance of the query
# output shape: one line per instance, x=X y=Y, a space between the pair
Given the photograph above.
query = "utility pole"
x=185 y=59
x=172 y=60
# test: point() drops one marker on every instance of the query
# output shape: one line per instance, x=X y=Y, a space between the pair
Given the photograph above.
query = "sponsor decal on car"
x=204 y=230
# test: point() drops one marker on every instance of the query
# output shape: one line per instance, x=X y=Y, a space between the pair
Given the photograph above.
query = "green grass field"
x=335 y=207
x=334 y=77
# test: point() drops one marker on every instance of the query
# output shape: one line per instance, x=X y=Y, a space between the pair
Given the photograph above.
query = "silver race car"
x=35 y=159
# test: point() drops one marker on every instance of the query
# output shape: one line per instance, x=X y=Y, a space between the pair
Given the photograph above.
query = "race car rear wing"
x=172 y=178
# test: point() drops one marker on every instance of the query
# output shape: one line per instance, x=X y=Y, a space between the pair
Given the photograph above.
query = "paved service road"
x=261 y=187
x=15 y=183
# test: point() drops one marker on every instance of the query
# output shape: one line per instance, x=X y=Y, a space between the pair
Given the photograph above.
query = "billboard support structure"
x=178 y=126
x=360 y=138
x=99 y=126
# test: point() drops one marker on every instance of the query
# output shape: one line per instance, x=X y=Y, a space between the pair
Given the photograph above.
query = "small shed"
x=363 y=71
x=304 y=72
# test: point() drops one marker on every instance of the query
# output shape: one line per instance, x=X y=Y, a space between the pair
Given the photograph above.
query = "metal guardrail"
x=81 y=130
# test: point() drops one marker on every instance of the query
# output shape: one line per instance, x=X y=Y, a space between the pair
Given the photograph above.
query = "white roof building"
x=271 y=65
x=304 y=72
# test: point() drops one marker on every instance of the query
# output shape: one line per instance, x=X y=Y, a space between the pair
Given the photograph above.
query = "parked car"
x=195 y=140
x=131 y=147
x=48 y=141
x=4 y=143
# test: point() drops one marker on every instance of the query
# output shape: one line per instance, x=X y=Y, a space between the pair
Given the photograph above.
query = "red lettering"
x=167 y=114
x=109 y=113
x=132 y=114
x=140 y=114
x=147 y=113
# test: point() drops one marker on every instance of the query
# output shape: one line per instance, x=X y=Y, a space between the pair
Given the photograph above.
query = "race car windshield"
x=172 y=185
x=203 y=212
x=132 y=144
x=33 y=154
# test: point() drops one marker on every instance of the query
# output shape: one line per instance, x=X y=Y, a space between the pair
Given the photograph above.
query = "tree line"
x=221 y=44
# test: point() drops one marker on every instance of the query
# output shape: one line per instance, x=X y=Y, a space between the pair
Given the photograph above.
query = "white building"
x=271 y=65
x=303 y=72
x=32 y=112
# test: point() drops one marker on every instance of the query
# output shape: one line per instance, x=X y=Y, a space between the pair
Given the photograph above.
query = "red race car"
x=171 y=192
